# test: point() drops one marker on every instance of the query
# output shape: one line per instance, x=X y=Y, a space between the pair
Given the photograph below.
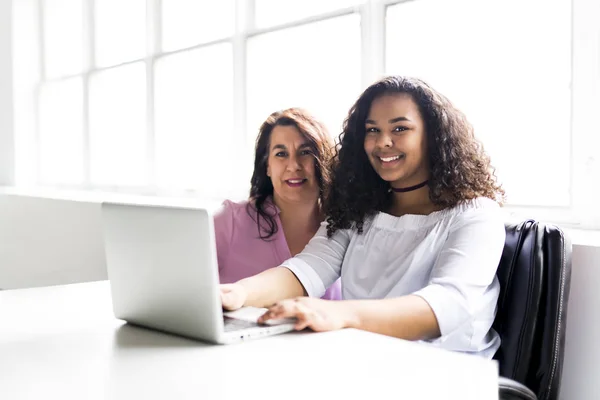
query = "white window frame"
x=7 y=142
x=581 y=213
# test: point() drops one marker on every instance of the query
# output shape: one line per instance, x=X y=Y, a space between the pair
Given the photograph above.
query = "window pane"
x=118 y=126
x=187 y=23
x=194 y=114
x=276 y=12
x=63 y=32
x=509 y=71
x=315 y=66
x=61 y=133
x=25 y=77
x=120 y=31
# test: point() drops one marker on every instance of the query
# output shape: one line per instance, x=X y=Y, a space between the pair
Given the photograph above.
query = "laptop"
x=162 y=267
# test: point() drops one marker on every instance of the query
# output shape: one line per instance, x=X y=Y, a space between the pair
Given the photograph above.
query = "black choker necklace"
x=411 y=188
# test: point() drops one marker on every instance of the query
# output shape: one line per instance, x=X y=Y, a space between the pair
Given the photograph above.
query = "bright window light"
x=118 y=126
x=60 y=136
x=194 y=120
x=509 y=71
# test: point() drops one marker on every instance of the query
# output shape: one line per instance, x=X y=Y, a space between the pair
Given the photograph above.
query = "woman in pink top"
x=291 y=171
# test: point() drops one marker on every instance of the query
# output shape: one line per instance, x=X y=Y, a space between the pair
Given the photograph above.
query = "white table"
x=63 y=342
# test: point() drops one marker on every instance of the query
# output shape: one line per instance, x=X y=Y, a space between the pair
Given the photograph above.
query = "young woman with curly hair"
x=413 y=228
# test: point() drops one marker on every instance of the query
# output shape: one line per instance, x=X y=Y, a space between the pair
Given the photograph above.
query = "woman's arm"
x=461 y=289
x=406 y=317
x=271 y=286
x=319 y=265
x=309 y=273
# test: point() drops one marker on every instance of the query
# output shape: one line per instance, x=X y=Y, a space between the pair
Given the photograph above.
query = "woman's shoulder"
x=237 y=210
x=244 y=213
x=234 y=206
x=480 y=210
x=478 y=203
x=477 y=206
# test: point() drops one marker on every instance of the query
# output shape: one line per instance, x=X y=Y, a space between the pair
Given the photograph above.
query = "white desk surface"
x=63 y=342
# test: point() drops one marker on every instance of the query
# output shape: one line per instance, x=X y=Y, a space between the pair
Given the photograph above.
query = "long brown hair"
x=261 y=189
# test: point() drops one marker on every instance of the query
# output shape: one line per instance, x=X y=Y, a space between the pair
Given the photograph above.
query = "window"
x=521 y=82
x=60 y=140
x=194 y=116
x=277 y=12
x=185 y=23
x=517 y=98
x=120 y=31
x=62 y=22
x=118 y=126
x=148 y=95
x=315 y=66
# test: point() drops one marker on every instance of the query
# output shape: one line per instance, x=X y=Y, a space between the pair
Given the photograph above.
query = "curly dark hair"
x=261 y=190
x=459 y=168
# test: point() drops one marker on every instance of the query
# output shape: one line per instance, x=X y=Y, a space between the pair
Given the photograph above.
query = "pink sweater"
x=242 y=253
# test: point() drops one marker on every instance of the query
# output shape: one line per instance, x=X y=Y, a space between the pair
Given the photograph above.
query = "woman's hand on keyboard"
x=316 y=314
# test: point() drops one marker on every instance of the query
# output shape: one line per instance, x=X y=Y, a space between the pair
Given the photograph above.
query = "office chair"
x=534 y=275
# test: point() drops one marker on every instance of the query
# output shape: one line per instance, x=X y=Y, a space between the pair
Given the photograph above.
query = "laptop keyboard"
x=232 y=324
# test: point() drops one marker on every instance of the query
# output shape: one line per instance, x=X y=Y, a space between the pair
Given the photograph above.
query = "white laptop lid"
x=162 y=268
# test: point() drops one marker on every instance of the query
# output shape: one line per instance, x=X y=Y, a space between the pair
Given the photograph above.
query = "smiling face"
x=395 y=140
x=291 y=166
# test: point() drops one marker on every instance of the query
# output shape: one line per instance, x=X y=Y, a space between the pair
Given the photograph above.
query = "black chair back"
x=534 y=274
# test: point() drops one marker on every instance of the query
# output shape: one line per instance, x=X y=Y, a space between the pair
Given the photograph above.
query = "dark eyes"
x=396 y=129
x=302 y=153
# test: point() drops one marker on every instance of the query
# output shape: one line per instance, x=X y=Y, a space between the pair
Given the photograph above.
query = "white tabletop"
x=64 y=342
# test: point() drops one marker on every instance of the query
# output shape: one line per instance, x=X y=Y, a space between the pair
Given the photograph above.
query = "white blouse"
x=449 y=258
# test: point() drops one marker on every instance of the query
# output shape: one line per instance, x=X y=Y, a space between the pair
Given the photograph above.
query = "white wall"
x=49 y=242
x=581 y=371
